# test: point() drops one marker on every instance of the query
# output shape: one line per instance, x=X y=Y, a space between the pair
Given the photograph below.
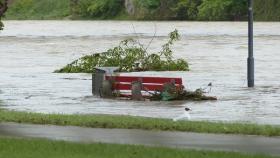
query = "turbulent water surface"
x=31 y=50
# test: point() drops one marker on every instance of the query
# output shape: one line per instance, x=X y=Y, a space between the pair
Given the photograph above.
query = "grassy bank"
x=34 y=148
x=130 y=122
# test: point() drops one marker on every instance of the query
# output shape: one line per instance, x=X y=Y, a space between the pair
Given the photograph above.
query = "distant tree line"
x=207 y=10
x=165 y=9
x=197 y=9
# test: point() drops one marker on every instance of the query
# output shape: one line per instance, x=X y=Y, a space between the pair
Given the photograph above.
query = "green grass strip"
x=35 y=148
x=130 y=122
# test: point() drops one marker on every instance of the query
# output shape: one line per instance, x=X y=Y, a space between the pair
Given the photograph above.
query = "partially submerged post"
x=98 y=77
x=250 y=60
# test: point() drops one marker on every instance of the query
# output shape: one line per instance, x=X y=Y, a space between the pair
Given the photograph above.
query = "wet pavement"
x=238 y=143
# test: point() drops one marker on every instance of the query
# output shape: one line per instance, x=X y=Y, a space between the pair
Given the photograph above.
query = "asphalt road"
x=239 y=143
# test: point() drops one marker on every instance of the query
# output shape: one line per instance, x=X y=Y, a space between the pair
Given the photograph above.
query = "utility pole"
x=251 y=64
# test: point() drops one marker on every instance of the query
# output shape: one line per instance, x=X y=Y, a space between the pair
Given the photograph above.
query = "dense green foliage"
x=267 y=10
x=150 y=4
x=98 y=8
x=39 y=9
x=131 y=122
x=130 y=56
x=222 y=10
x=39 y=148
x=187 y=9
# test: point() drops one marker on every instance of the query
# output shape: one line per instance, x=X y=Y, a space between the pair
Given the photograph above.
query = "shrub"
x=99 y=8
x=186 y=9
x=130 y=56
x=267 y=10
x=150 y=4
x=38 y=9
x=222 y=9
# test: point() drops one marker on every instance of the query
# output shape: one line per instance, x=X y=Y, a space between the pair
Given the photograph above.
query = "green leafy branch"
x=130 y=56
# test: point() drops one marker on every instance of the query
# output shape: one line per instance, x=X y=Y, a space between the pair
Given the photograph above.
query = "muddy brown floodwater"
x=31 y=50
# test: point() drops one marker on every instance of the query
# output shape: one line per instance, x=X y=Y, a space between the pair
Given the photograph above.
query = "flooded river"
x=217 y=52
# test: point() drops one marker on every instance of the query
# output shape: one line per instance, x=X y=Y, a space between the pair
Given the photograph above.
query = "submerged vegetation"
x=131 y=122
x=130 y=56
x=171 y=93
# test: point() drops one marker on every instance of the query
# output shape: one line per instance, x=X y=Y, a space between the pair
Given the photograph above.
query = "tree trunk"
x=130 y=8
x=3 y=7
